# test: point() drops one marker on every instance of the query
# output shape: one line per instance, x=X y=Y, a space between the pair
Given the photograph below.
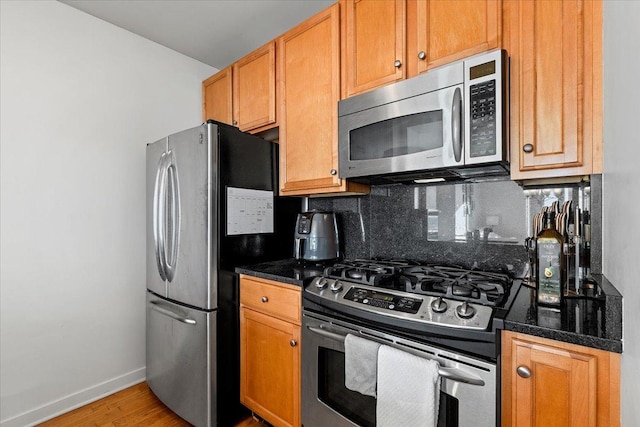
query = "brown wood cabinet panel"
x=569 y=385
x=254 y=89
x=270 y=367
x=374 y=43
x=309 y=91
x=272 y=298
x=556 y=94
x=446 y=30
x=217 y=96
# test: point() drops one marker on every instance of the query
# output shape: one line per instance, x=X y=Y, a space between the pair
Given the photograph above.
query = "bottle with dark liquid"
x=550 y=280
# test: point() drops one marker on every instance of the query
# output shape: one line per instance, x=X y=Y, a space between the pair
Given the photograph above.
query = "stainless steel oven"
x=467 y=390
x=444 y=313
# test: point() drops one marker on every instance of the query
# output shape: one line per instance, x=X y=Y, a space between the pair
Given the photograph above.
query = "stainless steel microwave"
x=447 y=123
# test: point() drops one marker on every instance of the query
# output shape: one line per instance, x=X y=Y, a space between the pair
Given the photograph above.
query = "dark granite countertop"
x=593 y=319
x=289 y=271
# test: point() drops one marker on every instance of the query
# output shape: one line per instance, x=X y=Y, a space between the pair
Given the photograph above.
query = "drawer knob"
x=523 y=371
x=527 y=148
x=265 y=299
x=422 y=55
x=235 y=122
x=293 y=343
x=333 y=172
x=397 y=63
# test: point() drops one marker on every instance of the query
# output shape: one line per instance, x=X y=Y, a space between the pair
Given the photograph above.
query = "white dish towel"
x=360 y=364
x=408 y=390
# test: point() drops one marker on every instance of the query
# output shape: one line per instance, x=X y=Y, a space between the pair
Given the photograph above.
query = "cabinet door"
x=547 y=383
x=556 y=76
x=374 y=50
x=449 y=30
x=270 y=367
x=216 y=97
x=310 y=70
x=254 y=89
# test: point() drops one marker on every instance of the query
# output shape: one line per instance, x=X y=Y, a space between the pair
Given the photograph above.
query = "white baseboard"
x=75 y=400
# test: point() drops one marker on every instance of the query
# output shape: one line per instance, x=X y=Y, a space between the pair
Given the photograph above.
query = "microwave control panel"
x=483 y=119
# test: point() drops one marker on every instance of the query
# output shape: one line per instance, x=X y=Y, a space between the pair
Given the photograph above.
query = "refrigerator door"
x=156 y=158
x=191 y=215
x=181 y=369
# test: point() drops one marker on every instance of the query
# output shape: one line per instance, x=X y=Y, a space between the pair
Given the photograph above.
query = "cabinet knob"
x=397 y=64
x=527 y=148
x=265 y=299
x=333 y=172
x=235 y=122
x=293 y=343
x=422 y=55
x=523 y=371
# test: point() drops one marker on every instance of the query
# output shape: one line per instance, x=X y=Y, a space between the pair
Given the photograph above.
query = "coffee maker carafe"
x=316 y=236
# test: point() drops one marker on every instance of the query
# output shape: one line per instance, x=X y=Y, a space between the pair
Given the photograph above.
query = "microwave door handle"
x=456 y=124
x=451 y=374
x=158 y=216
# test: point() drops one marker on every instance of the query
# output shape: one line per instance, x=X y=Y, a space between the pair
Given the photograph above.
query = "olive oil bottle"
x=550 y=280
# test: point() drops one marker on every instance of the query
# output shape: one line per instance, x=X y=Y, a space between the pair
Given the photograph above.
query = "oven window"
x=357 y=407
x=410 y=134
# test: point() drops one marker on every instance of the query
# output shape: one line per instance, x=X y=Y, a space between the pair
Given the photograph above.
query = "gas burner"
x=486 y=288
x=374 y=272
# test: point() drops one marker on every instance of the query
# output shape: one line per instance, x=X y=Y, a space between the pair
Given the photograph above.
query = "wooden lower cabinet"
x=547 y=383
x=270 y=351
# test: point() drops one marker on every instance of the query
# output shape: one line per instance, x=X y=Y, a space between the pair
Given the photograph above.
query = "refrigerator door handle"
x=158 y=215
x=162 y=310
x=171 y=254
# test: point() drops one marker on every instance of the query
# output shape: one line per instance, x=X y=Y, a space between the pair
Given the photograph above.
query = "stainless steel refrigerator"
x=212 y=205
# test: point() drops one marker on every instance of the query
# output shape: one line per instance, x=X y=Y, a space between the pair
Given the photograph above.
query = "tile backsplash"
x=467 y=224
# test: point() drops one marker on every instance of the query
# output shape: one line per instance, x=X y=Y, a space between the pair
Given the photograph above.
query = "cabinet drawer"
x=272 y=298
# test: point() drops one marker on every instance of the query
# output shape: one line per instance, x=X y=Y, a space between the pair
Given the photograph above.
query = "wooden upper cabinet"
x=374 y=43
x=310 y=70
x=254 y=89
x=216 y=97
x=244 y=94
x=442 y=31
x=556 y=87
x=550 y=383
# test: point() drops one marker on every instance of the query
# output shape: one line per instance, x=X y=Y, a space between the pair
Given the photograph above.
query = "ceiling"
x=216 y=32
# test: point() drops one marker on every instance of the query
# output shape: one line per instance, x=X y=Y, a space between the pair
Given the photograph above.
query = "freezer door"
x=156 y=155
x=181 y=369
x=191 y=217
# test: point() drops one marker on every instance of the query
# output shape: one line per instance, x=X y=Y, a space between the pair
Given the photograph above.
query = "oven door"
x=467 y=390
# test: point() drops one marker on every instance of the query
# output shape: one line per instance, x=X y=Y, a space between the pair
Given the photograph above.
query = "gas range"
x=457 y=307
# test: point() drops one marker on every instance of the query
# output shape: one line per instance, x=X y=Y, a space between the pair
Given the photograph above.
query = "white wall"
x=80 y=98
x=621 y=193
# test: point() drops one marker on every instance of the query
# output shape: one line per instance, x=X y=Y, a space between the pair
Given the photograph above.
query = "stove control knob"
x=335 y=286
x=321 y=283
x=465 y=311
x=439 y=305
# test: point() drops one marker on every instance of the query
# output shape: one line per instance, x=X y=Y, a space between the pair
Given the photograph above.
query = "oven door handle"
x=452 y=374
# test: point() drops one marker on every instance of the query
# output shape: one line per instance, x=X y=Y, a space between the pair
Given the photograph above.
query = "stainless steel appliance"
x=447 y=123
x=444 y=313
x=207 y=212
x=316 y=237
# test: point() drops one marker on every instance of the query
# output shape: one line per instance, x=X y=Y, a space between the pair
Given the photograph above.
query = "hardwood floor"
x=134 y=406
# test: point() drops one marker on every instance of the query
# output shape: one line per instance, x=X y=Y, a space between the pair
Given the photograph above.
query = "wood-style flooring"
x=134 y=406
